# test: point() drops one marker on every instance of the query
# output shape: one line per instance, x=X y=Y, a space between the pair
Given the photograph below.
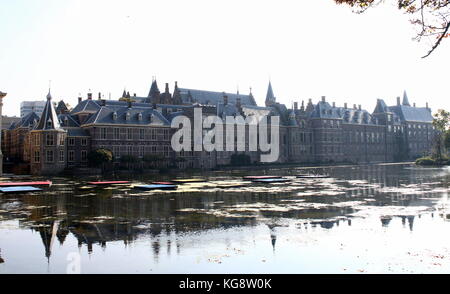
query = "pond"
x=383 y=218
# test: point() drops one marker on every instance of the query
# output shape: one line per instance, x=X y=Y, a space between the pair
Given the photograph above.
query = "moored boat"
x=269 y=181
x=188 y=181
x=156 y=187
x=16 y=184
x=102 y=183
x=19 y=189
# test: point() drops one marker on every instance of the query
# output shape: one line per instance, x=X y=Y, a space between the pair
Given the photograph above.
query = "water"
x=386 y=218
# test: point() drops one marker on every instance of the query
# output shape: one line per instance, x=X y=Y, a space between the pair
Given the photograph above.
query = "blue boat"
x=20 y=189
x=156 y=187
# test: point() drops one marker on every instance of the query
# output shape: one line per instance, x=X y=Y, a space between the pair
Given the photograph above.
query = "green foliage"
x=240 y=160
x=429 y=161
x=99 y=156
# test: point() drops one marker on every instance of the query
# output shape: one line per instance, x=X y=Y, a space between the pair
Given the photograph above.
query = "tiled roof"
x=213 y=98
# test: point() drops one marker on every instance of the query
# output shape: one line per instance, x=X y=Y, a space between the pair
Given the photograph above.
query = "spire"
x=153 y=89
x=405 y=101
x=270 y=98
x=49 y=119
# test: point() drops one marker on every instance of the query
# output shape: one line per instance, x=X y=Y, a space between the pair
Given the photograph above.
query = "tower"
x=48 y=154
x=270 y=98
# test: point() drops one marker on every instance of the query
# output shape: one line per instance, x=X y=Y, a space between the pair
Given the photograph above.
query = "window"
x=37 y=139
x=49 y=140
x=103 y=133
x=83 y=141
x=141 y=134
x=71 y=141
x=49 y=156
x=71 y=156
x=83 y=155
x=61 y=155
x=62 y=138
x=37 y=157
x=129 y=134
x=116 y=133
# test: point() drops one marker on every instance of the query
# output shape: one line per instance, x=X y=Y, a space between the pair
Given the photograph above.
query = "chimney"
x=359 y=107
x=89 y=96
x=134 y=95
x=99 y=96
x=354 y=106
x=225 y=99
x=398 y=101
x=414 y=104
x=103 y=102
x=167 y=87
x=345 y=105
x=129 y=104
x=295 y=105
x=79 y=99
x=426 y=105
x=334 y=104
x=323 y=98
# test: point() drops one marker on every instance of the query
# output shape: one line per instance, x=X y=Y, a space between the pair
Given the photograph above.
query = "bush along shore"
x=433 y=161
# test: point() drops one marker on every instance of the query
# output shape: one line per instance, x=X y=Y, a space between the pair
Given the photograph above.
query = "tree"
x=432 y=17
x=99 y=156
x=441 y=123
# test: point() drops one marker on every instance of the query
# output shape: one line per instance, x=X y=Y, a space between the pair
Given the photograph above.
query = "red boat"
x=163 y=183
x=15 y=184
x=109 y=183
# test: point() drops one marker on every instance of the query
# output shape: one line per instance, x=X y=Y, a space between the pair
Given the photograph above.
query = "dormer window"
x=128 y=116
x=150 y=118
x=66 y=121
x=114 y=115
x=49 y=123
x=140 y=116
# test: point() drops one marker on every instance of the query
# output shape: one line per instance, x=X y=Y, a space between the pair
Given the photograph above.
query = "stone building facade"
x=141 y=126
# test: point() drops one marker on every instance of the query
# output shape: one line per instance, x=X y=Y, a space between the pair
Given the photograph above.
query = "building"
x=140 y=127
x=27 y=107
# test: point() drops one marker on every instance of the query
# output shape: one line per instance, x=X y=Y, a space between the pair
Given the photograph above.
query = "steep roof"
x=49 y=119
x=348 y=115
x=270 y=97
x=405 y=99
x=25 y=122
x=213 y=98
x=125 y=115
x=412 y=114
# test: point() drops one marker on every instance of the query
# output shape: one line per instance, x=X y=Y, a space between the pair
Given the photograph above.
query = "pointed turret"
x=381 y=106
x=154 y=89
x=405 y=101
x=49 y=119
x=270 y=98
x=177 y=95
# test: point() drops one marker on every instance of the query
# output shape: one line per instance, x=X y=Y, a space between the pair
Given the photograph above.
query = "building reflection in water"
x=111 y=216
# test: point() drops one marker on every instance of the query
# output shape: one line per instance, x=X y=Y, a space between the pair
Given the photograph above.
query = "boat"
x=19 y=189
x=260 y=177
x=308 y=176
x=163 y=183
x=269 y=181
x=16 y=184
x=188 y=181
x=156 y=187
x=103 y=183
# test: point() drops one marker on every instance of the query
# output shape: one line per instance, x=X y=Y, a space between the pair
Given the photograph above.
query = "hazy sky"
x=307 y=48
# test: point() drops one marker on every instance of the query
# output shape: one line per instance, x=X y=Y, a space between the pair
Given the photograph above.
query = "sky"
x=307 y=49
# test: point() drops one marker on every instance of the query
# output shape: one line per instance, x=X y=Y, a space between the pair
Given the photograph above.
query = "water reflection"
x=101 y=216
